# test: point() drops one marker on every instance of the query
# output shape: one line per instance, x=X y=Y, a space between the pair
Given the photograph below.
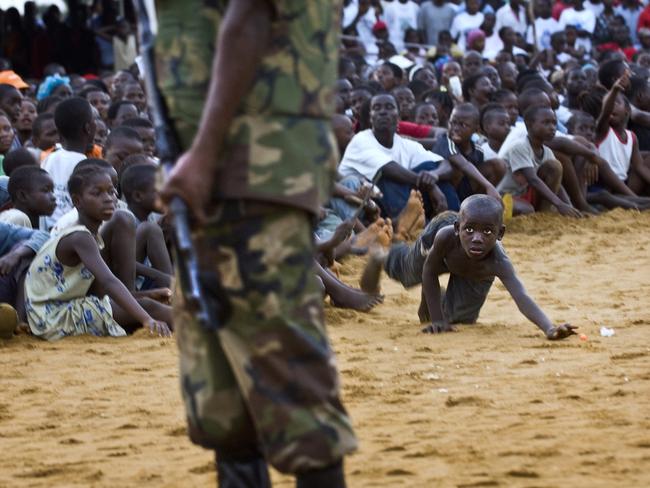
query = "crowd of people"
x=450 y=119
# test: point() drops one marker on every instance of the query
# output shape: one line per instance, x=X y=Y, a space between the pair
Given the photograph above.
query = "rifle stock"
x=168 y=150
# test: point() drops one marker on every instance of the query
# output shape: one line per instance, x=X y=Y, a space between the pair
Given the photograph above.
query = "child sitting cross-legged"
x=70 y=290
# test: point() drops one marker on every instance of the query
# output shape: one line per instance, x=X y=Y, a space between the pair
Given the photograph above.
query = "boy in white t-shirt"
x=545 y=26
x=400 y=15
x=465 y=22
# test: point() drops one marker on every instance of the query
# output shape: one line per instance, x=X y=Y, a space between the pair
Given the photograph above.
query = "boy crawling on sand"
x=465 y=245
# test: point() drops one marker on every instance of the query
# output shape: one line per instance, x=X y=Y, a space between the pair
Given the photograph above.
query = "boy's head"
x=145 y=130
x=343 y=88
x=120 y=143
x=582 y=124
x=479 y=225
x=543 y=8
x=120 y=79
x=100 y=165
x=576 y=82
x=640 y=93
x=620 y=112
x=74 y=120
x=426 y=76
x=101 y=133
x=541 y=123
x=426 y=114
x=44 y=132
x=472 y=64
x=472 y=6
x=533 y=97
x=138 y=185
x=134 y=93
x=10 y=100
x=343 y=131
x=444 y=105
x=463 y=123
x=507 y=36
x=405 y=101
x=92 y=192
x=32 y=190
x=610 y=71
x=558 y=42
x=27 y=116
x=6 y=133
x=508 y=100
x=478 y=89
x=508 y=74
x=358 y=97
x=495 y=122
x=16 y=159
x=492 y=73
x=98 y=99
x=120 y=111
x=389 y=75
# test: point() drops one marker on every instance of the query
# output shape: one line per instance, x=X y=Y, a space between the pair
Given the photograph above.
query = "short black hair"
x=5 y=89
x=132 y=160
x=81 y=176
x=137 y=177
x=23 y=178
x=524 y=98
x=470 y=83
x=115 y=108
x=397 y=71
x=137 y=122
x=121 y=132
x=499 y=95
x=489 y=111
x=610 y=71
x=18 y=158
x=88 y=89
x=71 y=115
x=94 y=162
x=468 y=108
x=533 y=112
x=577 y=115
x=40 y=119
x=483 y=203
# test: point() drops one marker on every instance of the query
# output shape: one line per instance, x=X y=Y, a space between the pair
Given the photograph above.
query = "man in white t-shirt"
x=584 y=20
x=512 y=15
x=465 y=22
x=400 y=15
x=361 y=17
x=545 y=26
x=76 y=125
x=402 y=164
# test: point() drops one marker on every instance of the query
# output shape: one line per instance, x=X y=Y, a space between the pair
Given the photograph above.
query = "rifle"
x=168 y=151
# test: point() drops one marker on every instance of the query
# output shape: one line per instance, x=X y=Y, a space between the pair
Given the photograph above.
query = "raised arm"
x=527 y=305
x=602 y=124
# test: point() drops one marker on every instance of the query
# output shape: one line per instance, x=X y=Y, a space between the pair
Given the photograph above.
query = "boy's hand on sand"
x=569 y=211
x=438 y=328
x=560 y=332
x=157 y=327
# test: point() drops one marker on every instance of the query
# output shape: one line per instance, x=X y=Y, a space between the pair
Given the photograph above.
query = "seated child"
x=138 y=183
x=495 y=125
x=120 y=143
x=465 y=245
x=470 y=172
x=69 y=288
x=509 y=101
x=534 y=176
x=45 y=136
x=32 y=194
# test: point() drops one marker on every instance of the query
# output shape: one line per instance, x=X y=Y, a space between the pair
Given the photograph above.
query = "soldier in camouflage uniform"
x=260 y=160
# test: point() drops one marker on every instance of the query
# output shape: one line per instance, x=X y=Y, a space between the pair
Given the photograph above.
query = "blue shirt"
x=10 y=235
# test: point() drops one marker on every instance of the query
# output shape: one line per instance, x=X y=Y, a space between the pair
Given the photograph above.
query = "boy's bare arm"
x=433 y=267
x=526 y=305
x=637 y=162
x=602 y=124
x=545 y=192
x=473 y=173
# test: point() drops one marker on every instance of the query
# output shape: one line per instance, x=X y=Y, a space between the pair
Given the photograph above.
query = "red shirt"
x=644 y=19
x=413 y=130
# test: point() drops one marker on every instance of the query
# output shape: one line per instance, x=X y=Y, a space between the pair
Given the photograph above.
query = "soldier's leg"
x=275 y=339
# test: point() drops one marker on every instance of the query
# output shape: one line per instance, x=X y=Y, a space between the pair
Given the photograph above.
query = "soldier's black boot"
x=330 y=477
x=242 y=473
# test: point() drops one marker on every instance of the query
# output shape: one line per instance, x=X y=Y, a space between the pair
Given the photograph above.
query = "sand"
x=494 y=404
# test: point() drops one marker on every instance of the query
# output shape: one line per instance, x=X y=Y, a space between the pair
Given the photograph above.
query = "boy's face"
x=427 y=76
x=509 y=37
x=101 y=133
x=40 y=196
x=478 y=232
x=97 y=199
x=471 y=6
x=148 y=136
x=544 y=125
x=619 y=112
x=461 y=126
x=576 y=82
x=508 y=74
x=343 y=131
x=27 y=116
x=497 y=126
x=126 y=111
x=148 y=198
x=383 y=113
x=101 y=101
x=48 y=136
x=11 y=103
x=512 y=107
x=406 y=103
x=117 y=85
x=483 y=90
x=133 y=93
x=427 y=115
x=357 y=99
x=472 y=63
x=121 y=149
x=386 y=77
x=585 y=126
x=344 y=90
x=543 y=8
x=6 y=134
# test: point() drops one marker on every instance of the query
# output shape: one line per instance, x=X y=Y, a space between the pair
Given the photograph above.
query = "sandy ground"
x=494 y=404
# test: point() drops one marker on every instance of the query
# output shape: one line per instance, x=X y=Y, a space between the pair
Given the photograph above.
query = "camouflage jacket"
x=280 y=147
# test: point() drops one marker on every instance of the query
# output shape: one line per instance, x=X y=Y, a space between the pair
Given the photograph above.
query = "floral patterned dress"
x=57 y=300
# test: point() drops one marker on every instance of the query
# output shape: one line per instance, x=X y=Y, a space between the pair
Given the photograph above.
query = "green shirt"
x=280 y=147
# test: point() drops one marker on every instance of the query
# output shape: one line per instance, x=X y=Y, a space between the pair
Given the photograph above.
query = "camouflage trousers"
x=266 y=381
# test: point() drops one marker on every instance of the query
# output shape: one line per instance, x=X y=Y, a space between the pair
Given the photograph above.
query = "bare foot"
x=369 y=237
x=354 y=299
x=411 y=220
x=370 y=279
x=162 y=295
